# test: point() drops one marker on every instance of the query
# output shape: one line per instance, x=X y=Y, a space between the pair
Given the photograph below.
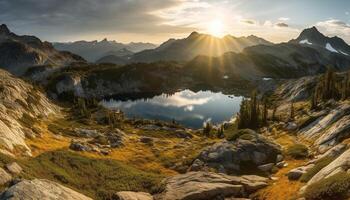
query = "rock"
x=266 y=167
x=196 y=165
x=295 y=174
x=77 y=146
x=279 y=158
x=235 y=155
x=341 y=164
x=281 y=164
x=291 y=126
x=208 y=185
x=183 y=134
x=86 y=133
x=20 y=102
x=4 y=177
x=41 y=189
x=14 y=168
x=146 y=140
x=126 y=195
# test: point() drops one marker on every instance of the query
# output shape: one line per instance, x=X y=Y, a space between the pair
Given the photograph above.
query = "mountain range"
x=18 y=53
x=95 y=50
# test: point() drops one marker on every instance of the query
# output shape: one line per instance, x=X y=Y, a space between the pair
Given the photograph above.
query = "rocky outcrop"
x=14 y=168
x=330 y=129
x=4 y=177
x=232 y=157
x=341 y=164
x=207 y=185
x=20 y=106
x=41 y=189
x=126 y=195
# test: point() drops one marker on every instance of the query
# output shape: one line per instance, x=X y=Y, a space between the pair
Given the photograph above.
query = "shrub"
x=334 y=187
x=298 y=151
x=237 y=134
x=97 y=178
x=323 y=162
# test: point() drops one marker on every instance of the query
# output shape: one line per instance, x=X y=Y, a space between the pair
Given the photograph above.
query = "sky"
x=158 y=20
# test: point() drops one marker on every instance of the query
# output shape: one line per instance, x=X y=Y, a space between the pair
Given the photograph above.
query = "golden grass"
x=283 y=188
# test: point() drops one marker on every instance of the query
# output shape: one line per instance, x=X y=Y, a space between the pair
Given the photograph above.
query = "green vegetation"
x=97 y=178
x=207 y=129
x=241 y=133
x=334 y=187
x=298 y=151
x=320 y=164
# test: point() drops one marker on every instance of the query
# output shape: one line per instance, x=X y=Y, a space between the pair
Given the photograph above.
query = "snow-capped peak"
x=306 y=41
x=330 y=48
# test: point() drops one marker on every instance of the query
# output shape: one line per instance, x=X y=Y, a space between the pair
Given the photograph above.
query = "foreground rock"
x=208 y=185
x=125 y=195
x=233 y=157
x=41 y=189
x=14 y=168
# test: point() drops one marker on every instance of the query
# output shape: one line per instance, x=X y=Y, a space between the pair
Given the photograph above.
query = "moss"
x=334 y=187
x=320 y=164
x=298 y=151
x=237 y=134
x=97 y=178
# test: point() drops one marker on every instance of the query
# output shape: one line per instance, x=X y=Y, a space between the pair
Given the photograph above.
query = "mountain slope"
x=313 y=38
x=196 y=44
x=94 y=50
x=18 y=53
x=294 y=59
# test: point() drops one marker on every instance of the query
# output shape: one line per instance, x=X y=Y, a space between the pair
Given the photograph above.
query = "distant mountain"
x=95 y=50
x=313 y=38
x=18 y=53
x=196 y=44
x=311 y=53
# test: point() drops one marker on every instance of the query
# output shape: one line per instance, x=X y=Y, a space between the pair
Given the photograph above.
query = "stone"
x=127 y=195
x=295 y=174
x=266 y=167
x=146 y=140
x=41 y=189
x=279 y=158
x=234 y=155
x=291 y=126
x=4 y=177
x=196 y=165
x=209 y=185
x=77 y=146
x=14 y=168
x=281 y=164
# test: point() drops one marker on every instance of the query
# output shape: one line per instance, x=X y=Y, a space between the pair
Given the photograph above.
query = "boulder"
x=291 y=126
x=296 y=173
x=4 y=177
x=77 y=146
x=41 y=189
x=267 y=167
x=126 y=195
x=14 y=168
x=208 y=185
x=239 y=154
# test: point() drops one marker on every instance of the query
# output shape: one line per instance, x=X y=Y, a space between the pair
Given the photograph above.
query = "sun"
x=216 y=28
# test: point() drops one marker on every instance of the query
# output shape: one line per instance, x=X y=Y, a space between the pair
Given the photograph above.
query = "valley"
x=248 y=119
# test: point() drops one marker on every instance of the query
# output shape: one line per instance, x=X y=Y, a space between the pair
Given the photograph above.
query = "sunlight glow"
x=216 y=28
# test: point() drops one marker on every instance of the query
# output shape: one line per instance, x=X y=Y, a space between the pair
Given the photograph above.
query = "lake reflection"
x=189 y=108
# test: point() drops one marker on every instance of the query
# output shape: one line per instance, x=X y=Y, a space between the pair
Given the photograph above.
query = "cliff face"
x=20 y=106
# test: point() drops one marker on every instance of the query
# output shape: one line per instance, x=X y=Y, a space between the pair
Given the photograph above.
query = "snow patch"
x=267 y=79
x=343 y=52
x=330 y=48
x=225 y=77
x=306 y=41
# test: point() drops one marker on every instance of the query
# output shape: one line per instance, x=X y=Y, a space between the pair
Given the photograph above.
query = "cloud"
x=282 y=25
x=248 y=21
x=283 y=19
x=335 y=27
x=69 y=17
